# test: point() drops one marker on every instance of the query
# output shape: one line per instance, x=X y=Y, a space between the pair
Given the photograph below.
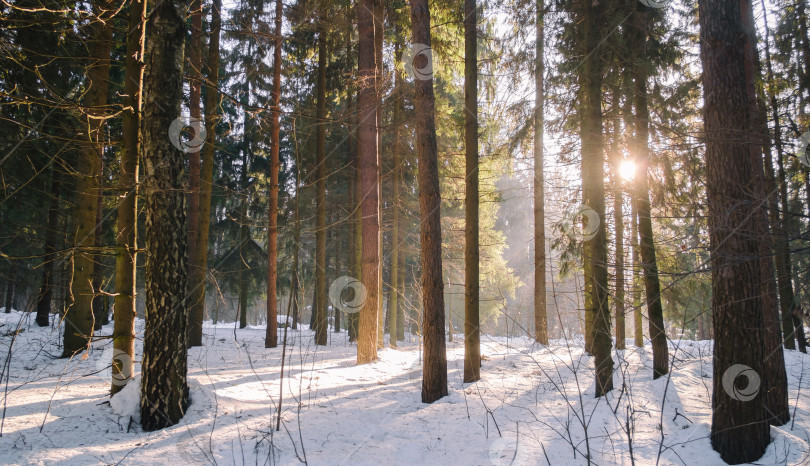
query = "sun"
x=627 y=170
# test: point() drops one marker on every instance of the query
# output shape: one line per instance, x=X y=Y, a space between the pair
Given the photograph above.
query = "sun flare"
x=627 y=170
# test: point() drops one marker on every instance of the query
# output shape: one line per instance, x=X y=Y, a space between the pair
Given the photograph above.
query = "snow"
x=126 y=402
x=534 y=405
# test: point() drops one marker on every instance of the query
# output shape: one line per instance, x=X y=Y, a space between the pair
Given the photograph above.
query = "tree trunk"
x=394 y=303
x=126 y=234
x=98 y=300
x=319 y=307
x=776 y=401
x=401 y=302
x=804 y=90
x=379 y=32
x=638 y=319
x=618 y=219
x=10 y=285
x=164 y=391
x=472 y=335
x=295 y=289
x=244 y=237
x=369 y=157
x=783 y=265
x=79 y=322
x=45 y=291
x=295 y=283
x=434 y=363
x=354 y=190
x=195 y=91
x=740 y=431
x=244 y=230
x=652 y=286
x=540 y=312
x=593 y=190
x=357 y=220
x=199 y=255
x=271 y=335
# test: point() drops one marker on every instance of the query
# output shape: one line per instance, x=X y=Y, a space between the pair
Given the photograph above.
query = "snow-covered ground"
x=534 y=405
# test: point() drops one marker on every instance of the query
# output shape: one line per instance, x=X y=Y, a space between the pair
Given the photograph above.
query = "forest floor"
x=533 y=405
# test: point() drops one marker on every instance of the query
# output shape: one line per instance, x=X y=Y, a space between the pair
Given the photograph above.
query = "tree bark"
x=98 y=299
x=776 y=398
x=783 y=264
x=199 y=256
x=618 y=220
x=244 y=230
x=296 y=284
x=195 y=92
x=164 y=391
x=652 y=286
x=357 y=240
x=804 y=45
x=379 y=32
x=540 y=312
x=740 y=430
x=79 y=319
x=126 y=237
x=434 y=363
x=394 y=303
x=472 y=335
x=271 y=335
x=593 y=190
x=320 y=228
x=369 y=157
x=354 y=218
x=43 y=318
x=10 y=285
x=638 y=319
x=400 y=336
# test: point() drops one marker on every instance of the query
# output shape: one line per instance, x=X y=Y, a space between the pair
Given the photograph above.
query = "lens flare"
x=627 y=170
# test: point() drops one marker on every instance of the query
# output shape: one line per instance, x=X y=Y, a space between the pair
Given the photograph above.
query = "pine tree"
x=434 y=365
x=649 y=263
x=781 y=240
x=379 y=34
x=271 y=336
x=395 y=304
x=593 y=190
x=48 y=272
x=164 y=390
x=540 y=312
x=127 y=234
x=79 y=320
x=319 y=307
x=775 y=377
x=618 y=227
x=740 y=431
x=195 y=93
x=369 y=157
x=472 y=336
x=199 y=256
